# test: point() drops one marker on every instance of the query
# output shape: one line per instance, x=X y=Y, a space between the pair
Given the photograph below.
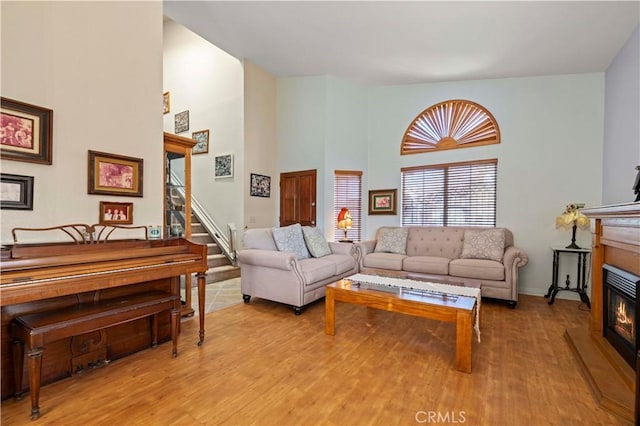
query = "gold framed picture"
x=115 y=213
x=112 y=174
x=26 y=132
x=383 y=201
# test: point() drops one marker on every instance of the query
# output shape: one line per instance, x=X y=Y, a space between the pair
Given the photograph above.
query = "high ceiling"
x=392 y=42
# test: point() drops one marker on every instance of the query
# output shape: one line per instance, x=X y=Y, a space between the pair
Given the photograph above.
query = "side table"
x=581 y=284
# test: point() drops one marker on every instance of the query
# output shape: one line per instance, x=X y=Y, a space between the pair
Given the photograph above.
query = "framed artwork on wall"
x=115 y=213
x=111 y=174
x=260 y=185
x=383 y=201
x=166 y=103
x=25 y=132
x=223 y=166
x=202 y=142
x=182 y=121
x=16 y=192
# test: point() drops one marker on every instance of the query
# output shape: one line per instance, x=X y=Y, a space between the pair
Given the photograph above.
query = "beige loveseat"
x=455 y=254
x=273 y=271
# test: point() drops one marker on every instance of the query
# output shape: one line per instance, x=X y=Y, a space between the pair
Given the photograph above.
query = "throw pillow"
x=289 y=238
x=483 y=244
x=392 y=240
x=316 y=242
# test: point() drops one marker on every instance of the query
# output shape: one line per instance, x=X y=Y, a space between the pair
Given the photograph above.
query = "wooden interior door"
x=298 y=198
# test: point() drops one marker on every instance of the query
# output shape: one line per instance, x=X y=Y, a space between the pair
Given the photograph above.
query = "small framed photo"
x=166 y=103
x=202 y=142
x=182 y=121
x=383 y=201
x=260 y=185
x=25 y=132
x=115 y=213
x=111 y=174
x=223 y=166
x=16 y=192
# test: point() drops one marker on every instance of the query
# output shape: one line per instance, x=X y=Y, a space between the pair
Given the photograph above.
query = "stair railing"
x=226 y=242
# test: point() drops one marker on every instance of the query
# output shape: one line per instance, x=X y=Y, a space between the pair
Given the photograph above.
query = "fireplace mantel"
x=616 y=242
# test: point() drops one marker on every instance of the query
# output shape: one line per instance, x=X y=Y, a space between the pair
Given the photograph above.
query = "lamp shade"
x=571 y=217
x=344 y=219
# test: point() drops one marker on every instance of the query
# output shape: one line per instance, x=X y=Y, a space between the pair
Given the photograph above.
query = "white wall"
x=208 y=83
x=550 y=155
x=260 y=144
x=622 y=123
x=98 y=66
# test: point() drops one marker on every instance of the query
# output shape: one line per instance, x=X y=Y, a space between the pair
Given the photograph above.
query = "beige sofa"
x=454 y=254
x=282 y=276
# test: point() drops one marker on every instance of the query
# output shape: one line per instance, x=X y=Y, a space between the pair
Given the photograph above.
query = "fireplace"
x=620 y=313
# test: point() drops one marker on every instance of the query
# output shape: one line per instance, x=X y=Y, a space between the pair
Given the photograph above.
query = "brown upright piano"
x=46 y=276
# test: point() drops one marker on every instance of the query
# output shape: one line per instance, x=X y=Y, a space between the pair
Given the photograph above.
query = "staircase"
x=220 y=267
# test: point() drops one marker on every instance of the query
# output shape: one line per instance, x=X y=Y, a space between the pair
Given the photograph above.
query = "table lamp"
x=572 y=219
x=344 y=221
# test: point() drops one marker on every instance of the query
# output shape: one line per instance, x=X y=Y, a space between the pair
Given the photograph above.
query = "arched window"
x=450 y=124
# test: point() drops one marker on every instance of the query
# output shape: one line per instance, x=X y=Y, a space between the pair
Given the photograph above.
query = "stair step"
x=201 y=237
x=221 y=273
x=213 y=248
x=219 y=259
x=197 y=228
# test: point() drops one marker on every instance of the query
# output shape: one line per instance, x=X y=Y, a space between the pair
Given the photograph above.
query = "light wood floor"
x=262 y=365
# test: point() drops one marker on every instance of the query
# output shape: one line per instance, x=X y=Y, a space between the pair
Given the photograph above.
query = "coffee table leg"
x=463 y=341
x=329 y=313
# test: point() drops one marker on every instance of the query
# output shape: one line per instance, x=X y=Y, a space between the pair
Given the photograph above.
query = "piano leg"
x=18 y=367
x=201 y=302
x=35 y=371
x=175 y=321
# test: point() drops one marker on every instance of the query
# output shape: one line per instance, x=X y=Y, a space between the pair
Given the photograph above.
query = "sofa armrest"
x=514 y=257
x=367 y=246
x=268 y=258
x=342 y=248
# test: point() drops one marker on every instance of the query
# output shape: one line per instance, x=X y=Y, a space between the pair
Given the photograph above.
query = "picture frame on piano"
x=113 y=174
x=115 y=213
x=26 y=132
x=16 y=192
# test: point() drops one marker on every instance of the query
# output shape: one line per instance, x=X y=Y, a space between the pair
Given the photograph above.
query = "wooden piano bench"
x=39 y=329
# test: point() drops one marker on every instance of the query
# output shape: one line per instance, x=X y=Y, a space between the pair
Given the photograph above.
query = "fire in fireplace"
x=620 y=313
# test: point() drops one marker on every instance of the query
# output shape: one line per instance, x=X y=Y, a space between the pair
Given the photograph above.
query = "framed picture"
x=202 y=142
x=223 y=166
x=383 y=201
x=16 y=192
x=111 y=174
x=182 y=121
x=260 y=185
x=25 y=132
x=115 y=213
x=166 y=103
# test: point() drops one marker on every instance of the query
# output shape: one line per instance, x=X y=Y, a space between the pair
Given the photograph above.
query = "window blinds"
x=348 y=193
x=458 y=194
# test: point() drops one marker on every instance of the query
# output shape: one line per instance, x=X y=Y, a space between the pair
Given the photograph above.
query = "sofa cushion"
x=259 y=238
x=384 y=261
x=392 y=240
x=316 y=243
x=480 y=269
x=483 y=244
x=426 y=264
x=343 y=262
x=314 y=270
x=290 y=239
x=439 y=241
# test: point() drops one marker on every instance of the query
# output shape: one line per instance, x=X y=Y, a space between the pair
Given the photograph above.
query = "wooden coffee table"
x=460 y=310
